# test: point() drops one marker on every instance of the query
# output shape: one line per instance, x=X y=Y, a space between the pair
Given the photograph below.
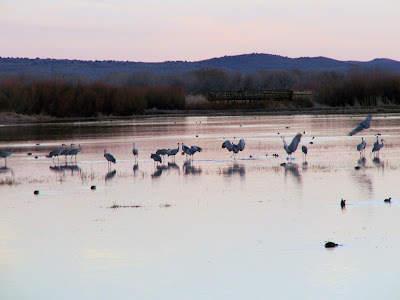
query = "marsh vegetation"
x=129 y=94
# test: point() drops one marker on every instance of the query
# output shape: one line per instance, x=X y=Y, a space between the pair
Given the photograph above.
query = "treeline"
x=359 y=88
x=128 y=94
x=356 y=87
x=64 y=98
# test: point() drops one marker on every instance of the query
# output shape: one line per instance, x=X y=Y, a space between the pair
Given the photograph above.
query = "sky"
x=169 y=30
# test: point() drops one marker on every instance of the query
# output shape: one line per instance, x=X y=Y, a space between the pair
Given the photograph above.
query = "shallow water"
x=213 y=228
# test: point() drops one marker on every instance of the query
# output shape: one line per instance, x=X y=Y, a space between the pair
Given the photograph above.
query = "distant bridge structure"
x=249 y=96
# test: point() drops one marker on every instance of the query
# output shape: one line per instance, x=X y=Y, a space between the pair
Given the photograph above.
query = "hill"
x=243 y=63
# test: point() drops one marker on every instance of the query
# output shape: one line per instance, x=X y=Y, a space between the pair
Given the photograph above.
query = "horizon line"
x=195 y=61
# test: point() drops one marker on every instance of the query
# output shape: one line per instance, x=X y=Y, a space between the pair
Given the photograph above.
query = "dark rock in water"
x=36 y=157
x=283 y=164
x=36 y=192
x=29 y=153
x=357 y=167
x=37 y=144
x=311 y=143
x=93 y=187
x=197 y=135
x=331 y=245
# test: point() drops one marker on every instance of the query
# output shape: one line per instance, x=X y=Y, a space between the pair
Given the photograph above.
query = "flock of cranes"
x=236 y=148
x=65 y=152
x=172 y=152
x=159 y=155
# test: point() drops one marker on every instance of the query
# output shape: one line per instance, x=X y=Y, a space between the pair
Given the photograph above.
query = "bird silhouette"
x=377 y=146
x=135 y=151
x=75 y=151
x=305 y=151
x=56 y=153
x=361 y=146
x=363 y=125
x=162 y=152
x=343 y=203
x=65 y=152
x=235 y=148
x=190 y=151
x=156 y=158
x=293 y=145
x=388 y=199
x=110 y=158
x=173 y=152
x=4 y=154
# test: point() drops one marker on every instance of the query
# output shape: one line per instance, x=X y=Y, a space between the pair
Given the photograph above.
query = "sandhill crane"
x=377 y=147
x=363 y=125
x=190 y=151
x=109 y=157
x=361 y=146
x=75 y=152
x=235 y=148
x=156 y=158
x=162 y=152
x=135 y=151
x=65 y=152
x=173 y=152
x=293 y=145
x=305 y=151
x=56 y=153
x=4 y=154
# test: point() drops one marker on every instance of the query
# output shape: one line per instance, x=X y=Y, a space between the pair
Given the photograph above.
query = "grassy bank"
x=14 y=118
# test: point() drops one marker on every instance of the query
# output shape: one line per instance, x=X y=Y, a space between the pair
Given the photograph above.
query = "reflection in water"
x=376 y=160
x=135 y=168
x=5 y=170
x=292 y=169
x=72 y=168
x=235 y=169
x=364 y=182
x=304 y=166
x=110 y=175
x=173 y=166
x=361 y=162
x=61 y=169
x=157 y=172
x=57 y=169
x=159 y=169
x=379 y=164
x=189 y=169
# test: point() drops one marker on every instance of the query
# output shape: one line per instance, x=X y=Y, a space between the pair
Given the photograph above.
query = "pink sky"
x=195 y=30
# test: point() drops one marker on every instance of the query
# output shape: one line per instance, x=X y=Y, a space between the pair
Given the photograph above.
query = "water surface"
x=212 y=228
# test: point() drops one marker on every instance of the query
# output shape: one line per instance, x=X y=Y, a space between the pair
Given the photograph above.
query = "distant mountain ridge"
x=242 y=63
